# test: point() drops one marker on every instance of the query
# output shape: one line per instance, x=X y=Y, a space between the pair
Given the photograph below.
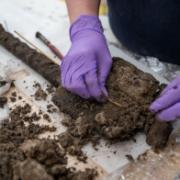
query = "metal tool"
x=49 y=44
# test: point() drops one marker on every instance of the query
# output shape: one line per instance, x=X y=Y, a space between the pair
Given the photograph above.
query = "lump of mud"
x=45 y=160
x=29 y=169
x=31 y=57
x=40 y=94
x=133 y=89
x=3 y=101
x=158 y=134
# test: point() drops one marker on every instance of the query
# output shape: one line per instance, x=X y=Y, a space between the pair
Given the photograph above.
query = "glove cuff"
x=85 y=22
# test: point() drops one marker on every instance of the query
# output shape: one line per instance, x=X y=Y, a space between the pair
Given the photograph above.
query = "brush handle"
x=50 y=45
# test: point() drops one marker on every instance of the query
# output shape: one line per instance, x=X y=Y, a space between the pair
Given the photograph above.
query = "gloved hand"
x=167 y=106
x=87 y=64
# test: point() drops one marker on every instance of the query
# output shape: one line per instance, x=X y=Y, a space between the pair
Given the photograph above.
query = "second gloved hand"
x=167 y=106
x=87 y=64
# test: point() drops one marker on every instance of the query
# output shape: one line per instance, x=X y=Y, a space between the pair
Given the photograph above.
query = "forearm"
x=82 y=7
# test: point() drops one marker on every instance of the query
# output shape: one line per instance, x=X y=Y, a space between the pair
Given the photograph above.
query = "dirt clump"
x=29 y=169
x=46 y=117
x=50 y=89
x=44 y=160
x=3 y=83
x=40 y=94
x=3 y=101
x=51 y=108
x=128 y=86
x=14 y=94
x=158 y=134
x=73 y=145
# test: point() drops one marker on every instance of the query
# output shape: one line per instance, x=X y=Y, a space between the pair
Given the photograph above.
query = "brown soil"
x=90 y=121
x=46 y=117
x=51 y=108
x=3 y=83
x=44 y=160
x=3 y=101
x=31 y=57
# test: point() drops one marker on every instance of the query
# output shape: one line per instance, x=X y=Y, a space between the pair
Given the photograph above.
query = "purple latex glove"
x=167 y=106
x=87 y=64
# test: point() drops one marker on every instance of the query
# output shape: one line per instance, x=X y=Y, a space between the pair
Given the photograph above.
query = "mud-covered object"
x=29 y=56
x=41 y=159
x=128 y=86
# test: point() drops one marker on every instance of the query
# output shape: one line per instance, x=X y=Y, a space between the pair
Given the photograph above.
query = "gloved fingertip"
x=104 y=91
x=159 y=118
x=155 y=107
x=164 y=117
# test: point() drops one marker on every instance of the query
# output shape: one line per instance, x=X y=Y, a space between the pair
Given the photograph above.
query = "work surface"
x=50 y=18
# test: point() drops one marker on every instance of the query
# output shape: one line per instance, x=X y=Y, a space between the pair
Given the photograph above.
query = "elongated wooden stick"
x=115 y=103
x=30 y=43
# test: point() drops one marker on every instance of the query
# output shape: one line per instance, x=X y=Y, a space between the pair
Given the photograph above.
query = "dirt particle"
x=40 y=95
x=3 y=101
x=130 y=157
x=19 y=97
x=13 y=99
x=14 y=94
x=51 y=108
x=47 y=117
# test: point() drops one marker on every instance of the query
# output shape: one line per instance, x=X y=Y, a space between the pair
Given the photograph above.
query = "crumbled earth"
x=159 y=133
x=134 y=90
x=40 y=94
x=47 y=117
x=2 y=83
x=14 y=94
x=51 y=108
x=13 y=97
x=50 y=89
x=3 y=101
x=45 y=160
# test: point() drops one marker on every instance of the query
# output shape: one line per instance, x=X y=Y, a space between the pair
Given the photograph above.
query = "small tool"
x=49 y=44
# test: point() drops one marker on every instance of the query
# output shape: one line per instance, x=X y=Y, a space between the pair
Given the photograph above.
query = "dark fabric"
x=148 y=27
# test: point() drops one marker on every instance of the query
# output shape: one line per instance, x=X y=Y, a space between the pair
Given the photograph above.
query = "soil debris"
x=130 y=157
x=72 y=145
x=50 y=89
x=128 y=86
x=14 y=94
x=3 y=83
x=45 y=160
x=158 y=134
x=51 y=108
x=13 y=99
x=19 y=97
x=40 y=94
x=3 y=101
